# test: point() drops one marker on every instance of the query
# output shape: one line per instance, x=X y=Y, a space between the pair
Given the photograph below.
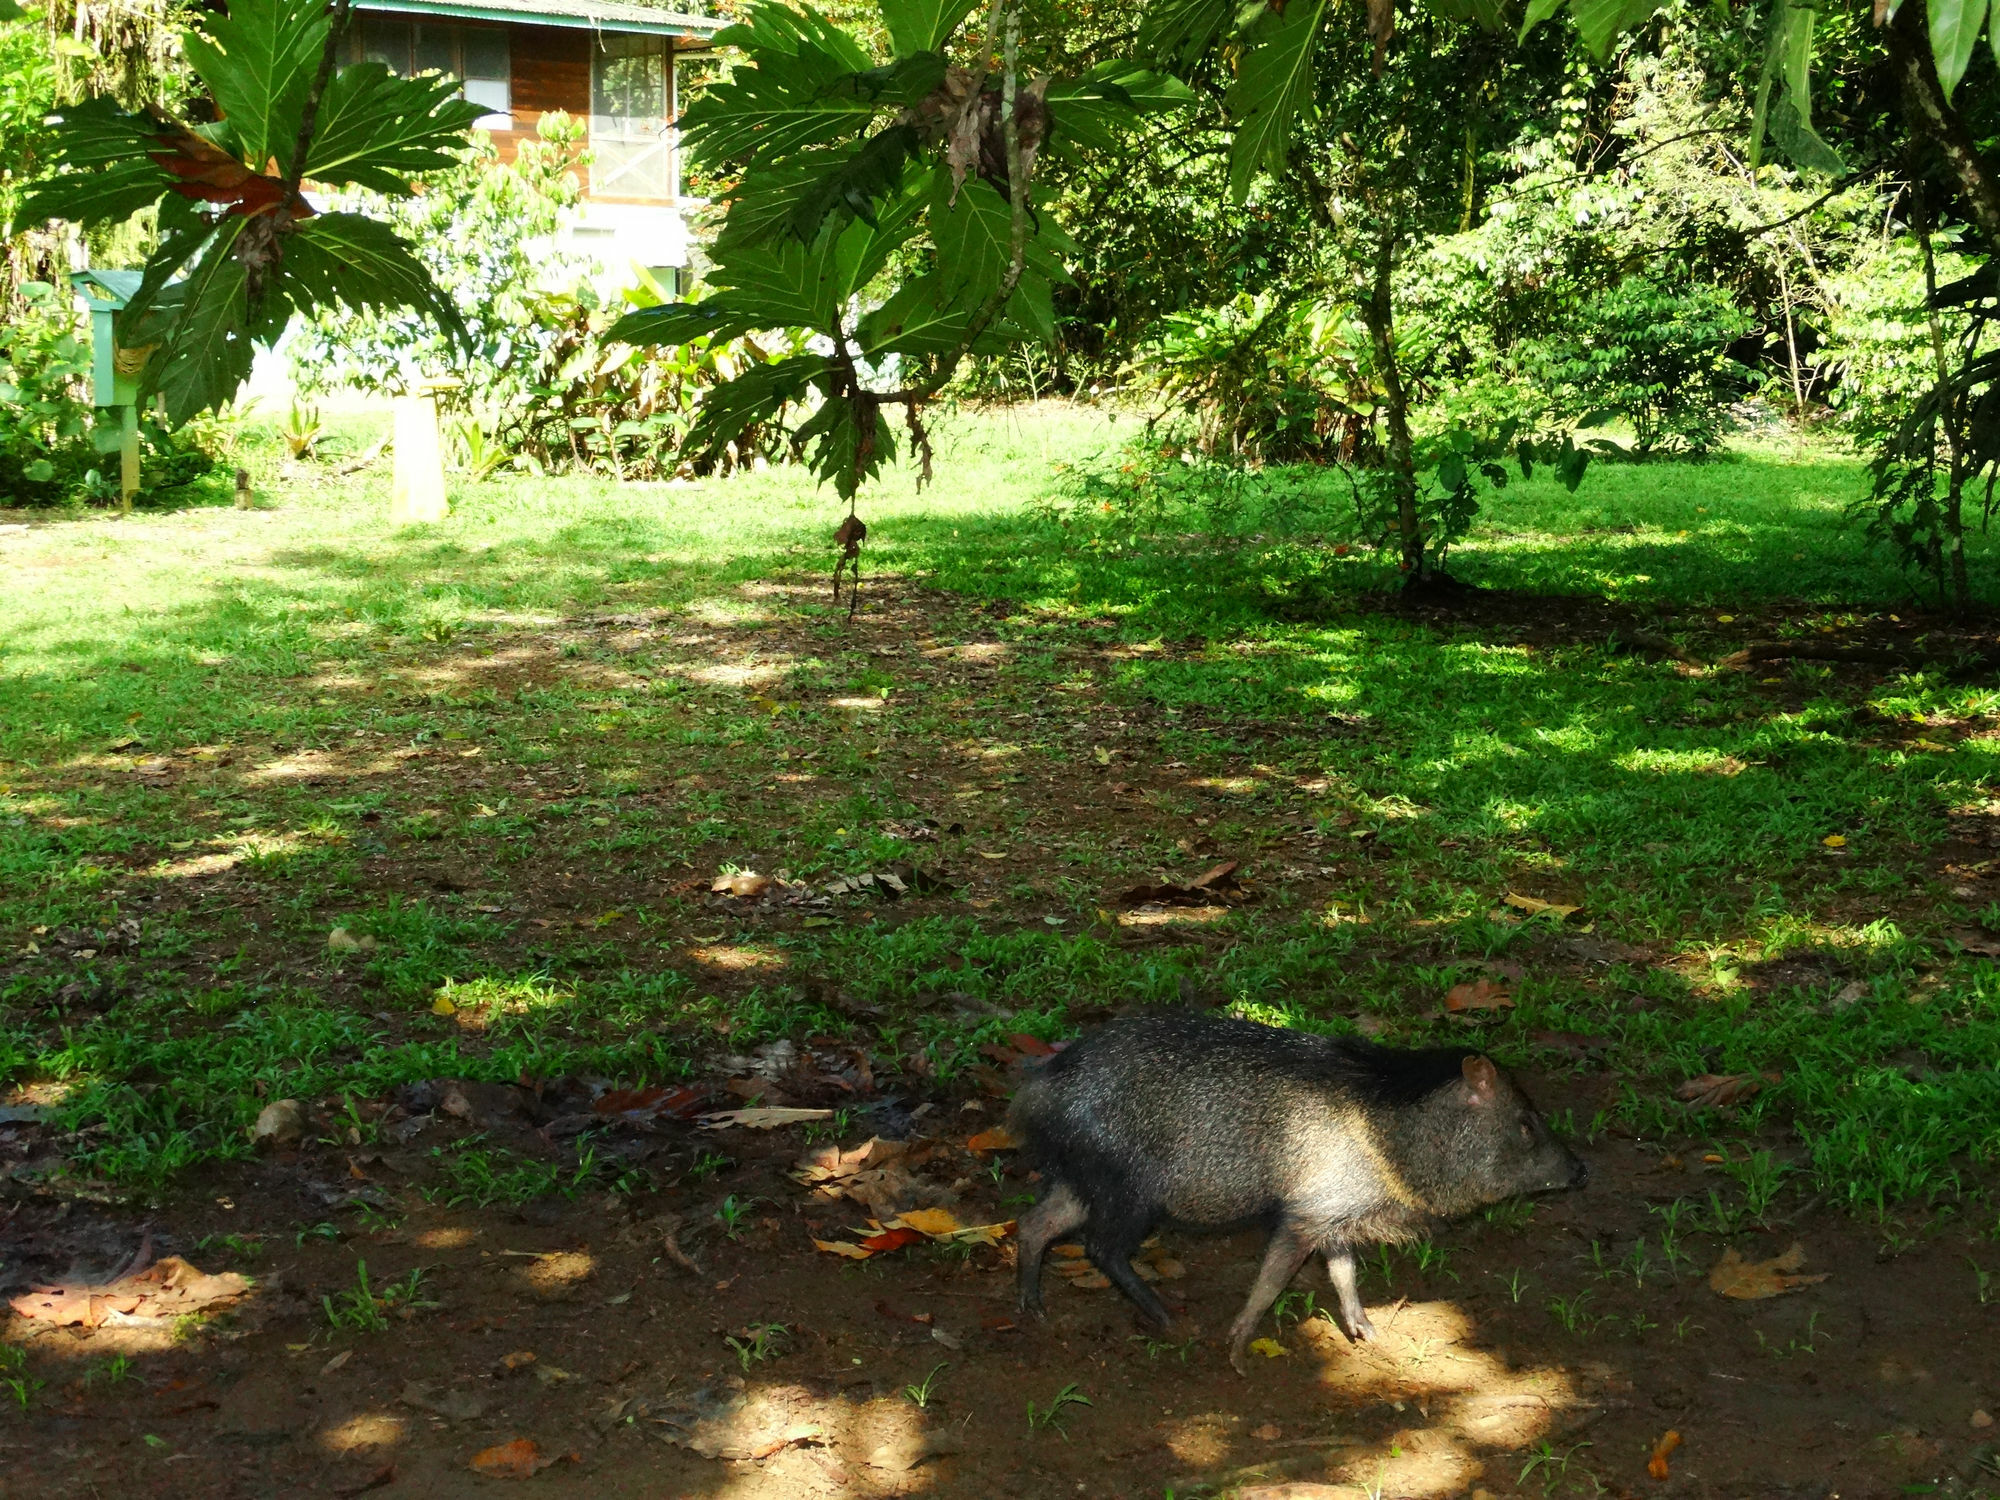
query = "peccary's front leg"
x=1287 y=1251
x=1060 y=1212
x=1353 y=1316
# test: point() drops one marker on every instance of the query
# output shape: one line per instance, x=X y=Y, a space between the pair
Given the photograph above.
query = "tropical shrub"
x=1653 y=353
x=1265 y=378
x=53 y=450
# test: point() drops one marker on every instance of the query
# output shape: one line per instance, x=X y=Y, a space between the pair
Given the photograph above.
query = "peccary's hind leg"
x=1353 y=1316
x=1114 y=1232
x=1059 y=1213
x=1287 y=1251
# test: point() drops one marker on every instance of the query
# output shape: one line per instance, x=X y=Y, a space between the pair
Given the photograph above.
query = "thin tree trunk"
x=1933 y=121
x=1378 y=311
x=1953 y=540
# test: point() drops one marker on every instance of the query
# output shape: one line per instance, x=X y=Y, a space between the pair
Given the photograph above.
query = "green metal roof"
x=589 y=15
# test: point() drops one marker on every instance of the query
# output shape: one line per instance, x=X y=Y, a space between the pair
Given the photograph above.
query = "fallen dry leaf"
x=1217 y=881
x=1835 y=841
x=1972 y=940
x=1481 y=994
x=1269 y=1348
x=520 y=1459
x=935 y=1222
x=842 y=1248
x=999 y=1138
x=1534 y=906
x=742 y=883
x=1751 y=1281
x=340 y=940
x=891 y=1239
x=1657 y=1464
x=170 y=1288
x=831 y=1163
x=768 y=1118
x=1722 y=1090
x=656 y=1103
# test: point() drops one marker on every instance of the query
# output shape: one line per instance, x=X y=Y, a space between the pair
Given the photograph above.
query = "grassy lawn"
x=505 y=758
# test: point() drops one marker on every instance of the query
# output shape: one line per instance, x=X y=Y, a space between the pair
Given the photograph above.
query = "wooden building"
x=610 y=63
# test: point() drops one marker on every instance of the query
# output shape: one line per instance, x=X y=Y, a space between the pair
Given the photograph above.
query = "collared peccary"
x=1209 y=1123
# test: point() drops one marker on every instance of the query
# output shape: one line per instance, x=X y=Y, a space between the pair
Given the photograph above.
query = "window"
x=476 y=55
x=632 y=138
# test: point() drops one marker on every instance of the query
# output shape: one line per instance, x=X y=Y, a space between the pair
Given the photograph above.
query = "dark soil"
x=1866 y=1383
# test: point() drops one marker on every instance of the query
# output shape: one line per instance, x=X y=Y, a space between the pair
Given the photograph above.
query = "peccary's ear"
x=1482 y=1079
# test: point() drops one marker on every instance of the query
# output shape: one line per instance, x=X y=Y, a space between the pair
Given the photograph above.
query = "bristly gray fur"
x=1209 y=1122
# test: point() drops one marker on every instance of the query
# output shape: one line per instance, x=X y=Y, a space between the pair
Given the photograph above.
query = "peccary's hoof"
x=1239 y=1361
x=1361 y=1331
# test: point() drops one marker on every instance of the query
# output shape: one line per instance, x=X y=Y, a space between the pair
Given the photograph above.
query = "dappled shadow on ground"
x=513 y=812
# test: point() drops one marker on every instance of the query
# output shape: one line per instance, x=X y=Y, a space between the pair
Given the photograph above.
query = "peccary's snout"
x=1579 y=1173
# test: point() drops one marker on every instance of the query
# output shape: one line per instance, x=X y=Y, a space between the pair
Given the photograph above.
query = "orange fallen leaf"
x=1657 y=1464
x=1481 y=994
x=999 y=1138
x=1534 y=906
x=1030 y=1046
x=520 y=1459
x=890 y=1239
x=1750 y=1281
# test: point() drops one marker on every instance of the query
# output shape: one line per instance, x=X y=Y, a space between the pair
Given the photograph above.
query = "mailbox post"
x=115 y=370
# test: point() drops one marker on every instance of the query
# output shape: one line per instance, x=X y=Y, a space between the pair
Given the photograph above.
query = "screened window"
x=631 y=118
x=478 y=56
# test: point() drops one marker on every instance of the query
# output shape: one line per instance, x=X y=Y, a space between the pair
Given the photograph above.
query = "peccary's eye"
x=1527 y=1131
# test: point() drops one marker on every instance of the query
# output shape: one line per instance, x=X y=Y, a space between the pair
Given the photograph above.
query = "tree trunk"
x=1934 y=122
x=1378 y=312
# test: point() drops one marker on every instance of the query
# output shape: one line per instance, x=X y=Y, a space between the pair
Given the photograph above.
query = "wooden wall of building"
x=551 y=71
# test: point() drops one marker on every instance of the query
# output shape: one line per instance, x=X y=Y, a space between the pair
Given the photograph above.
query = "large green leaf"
x=1273 y=87
x=1795 y=58
x=109 y=195
x=921 y=318
x=204 y=323
x=854 y=185
x=1538 y=11
x=258 y=62
x=784 y=103
x=9 y=11
x=361 y=263
x=1486 y=14
x=808 y=84
x=1090 y=110
x=788 y=283
x=674 y=323
x=1602 y=22
x=97 y=133
x=834 y=437
x=975 y=239
x=1800 y=142
x=185 y=233
x=378 y=130
x=1179 y=31
x=922 y=25
x=757 y=395
x=775 y=28
x=1955 y=28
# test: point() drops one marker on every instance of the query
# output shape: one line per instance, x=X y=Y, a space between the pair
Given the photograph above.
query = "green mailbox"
x=114 y=370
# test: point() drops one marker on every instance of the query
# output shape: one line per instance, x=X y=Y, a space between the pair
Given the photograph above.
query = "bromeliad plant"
x=240 y=248
x=889 y=207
